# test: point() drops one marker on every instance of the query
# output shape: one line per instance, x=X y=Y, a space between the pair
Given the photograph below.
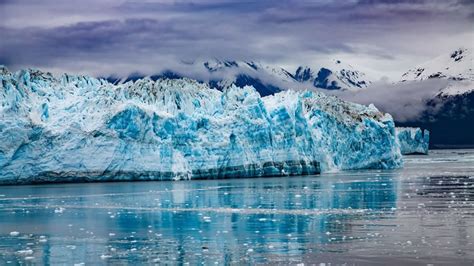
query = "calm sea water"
x=422 y=214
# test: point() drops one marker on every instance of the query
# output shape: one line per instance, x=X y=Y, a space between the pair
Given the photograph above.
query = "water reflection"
x=365 y=214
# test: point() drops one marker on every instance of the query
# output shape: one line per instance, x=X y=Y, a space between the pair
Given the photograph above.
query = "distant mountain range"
x=266 y=79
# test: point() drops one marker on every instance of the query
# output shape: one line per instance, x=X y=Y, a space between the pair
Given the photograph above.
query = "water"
x=421 y=214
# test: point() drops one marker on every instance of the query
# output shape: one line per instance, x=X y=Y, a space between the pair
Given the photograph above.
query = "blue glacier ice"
x=72 y=128
x=413 y=140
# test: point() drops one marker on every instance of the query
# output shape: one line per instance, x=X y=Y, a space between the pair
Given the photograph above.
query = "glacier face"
x=77 y=128
x=413 y=140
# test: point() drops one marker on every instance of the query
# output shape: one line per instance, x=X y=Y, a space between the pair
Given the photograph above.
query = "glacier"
x=413 y=140
x=73 y=128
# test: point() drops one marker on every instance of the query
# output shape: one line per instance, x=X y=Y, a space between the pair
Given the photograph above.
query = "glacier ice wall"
x=77 y=128
x=413 y=140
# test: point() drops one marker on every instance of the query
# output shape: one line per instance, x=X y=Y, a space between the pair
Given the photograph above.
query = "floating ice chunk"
x=25 y=252
x=59 y=210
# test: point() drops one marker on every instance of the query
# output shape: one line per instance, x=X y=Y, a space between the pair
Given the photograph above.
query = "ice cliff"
x=413 y=140
x=76 y=128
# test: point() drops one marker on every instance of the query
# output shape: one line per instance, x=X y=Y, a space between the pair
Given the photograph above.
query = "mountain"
x=167 y=74
x=72 y=128
x=457 y=65
x=266 y=79
x=337 y=76
x=449 y=113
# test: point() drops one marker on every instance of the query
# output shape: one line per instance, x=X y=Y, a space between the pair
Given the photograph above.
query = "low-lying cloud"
x=405 y=101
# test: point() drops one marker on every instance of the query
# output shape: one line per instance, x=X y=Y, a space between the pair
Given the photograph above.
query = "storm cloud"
x=104 y=37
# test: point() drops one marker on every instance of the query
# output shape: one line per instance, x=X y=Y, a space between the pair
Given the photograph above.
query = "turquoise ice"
x=413 y=140
x=77 y=128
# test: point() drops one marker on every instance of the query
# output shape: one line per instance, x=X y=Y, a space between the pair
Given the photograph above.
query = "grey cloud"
x=148 y=35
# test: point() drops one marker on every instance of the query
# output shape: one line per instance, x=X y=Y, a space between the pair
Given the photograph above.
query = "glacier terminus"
x=413 y=140
x=72 y=128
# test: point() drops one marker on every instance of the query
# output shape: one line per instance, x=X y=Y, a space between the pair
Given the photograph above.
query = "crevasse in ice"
x=77 y=128
x=413 y=140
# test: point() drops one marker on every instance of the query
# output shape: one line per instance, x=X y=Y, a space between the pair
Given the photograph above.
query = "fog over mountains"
x=433 y=94
x=265 y=78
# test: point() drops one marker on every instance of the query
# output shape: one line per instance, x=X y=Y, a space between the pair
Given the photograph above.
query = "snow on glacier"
x=413 y=140
x=77 y=128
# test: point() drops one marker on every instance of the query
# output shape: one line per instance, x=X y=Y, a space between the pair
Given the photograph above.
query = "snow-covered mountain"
x=337 y=76
x=72 y=128
x=457 y=67
x=266 y=79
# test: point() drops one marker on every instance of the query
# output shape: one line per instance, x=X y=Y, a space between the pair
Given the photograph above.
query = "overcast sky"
x=119 y=36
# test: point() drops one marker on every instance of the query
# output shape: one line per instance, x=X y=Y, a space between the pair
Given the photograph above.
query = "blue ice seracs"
x=413 y=140
x=77 y=128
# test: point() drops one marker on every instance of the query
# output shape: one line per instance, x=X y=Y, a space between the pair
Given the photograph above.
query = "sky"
x=381 y=37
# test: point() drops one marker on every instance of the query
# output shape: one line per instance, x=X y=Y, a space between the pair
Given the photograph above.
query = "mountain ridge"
x=266 y=79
